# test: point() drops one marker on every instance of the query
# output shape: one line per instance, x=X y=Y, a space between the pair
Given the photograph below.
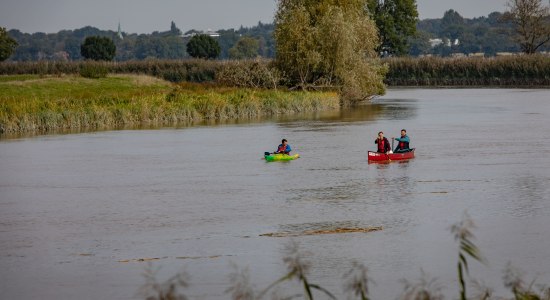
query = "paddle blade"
x=266 y=153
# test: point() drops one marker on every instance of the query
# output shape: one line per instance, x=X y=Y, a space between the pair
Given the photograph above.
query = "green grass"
x=4 y=78
x=41 y=104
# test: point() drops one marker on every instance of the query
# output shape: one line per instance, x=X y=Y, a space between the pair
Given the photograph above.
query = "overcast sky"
x=146 y=16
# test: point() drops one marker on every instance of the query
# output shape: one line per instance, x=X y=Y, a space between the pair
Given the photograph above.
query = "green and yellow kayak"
x=281 y=157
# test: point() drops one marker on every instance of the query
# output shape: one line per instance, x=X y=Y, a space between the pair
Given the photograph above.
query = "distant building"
x=435 y=42
x=212 y=33
x=119 y=32
x=194 y=32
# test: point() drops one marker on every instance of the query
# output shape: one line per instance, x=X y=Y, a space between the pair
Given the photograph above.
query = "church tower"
x=119 y=33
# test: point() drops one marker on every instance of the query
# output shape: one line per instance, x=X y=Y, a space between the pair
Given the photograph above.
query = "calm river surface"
x=78 y=211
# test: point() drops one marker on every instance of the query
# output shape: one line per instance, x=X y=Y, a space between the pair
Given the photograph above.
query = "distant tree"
x=420 y=44
x=174 y=30
x=246 y=47
x=396 y=21
x=7 y=44
x=228 y=38
x=452 y=25
x=72 y=46
x=532 y=23
x=98 y=48
x=329 y=43
x=203 y=46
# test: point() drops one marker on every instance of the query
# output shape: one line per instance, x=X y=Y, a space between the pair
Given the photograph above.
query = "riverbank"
x=38 y=103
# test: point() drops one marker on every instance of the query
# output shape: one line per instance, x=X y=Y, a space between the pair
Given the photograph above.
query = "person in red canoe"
x=284 y=148
x=404 y=141
x=383 y=143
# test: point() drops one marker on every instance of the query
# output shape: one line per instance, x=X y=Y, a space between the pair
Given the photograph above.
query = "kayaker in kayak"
x=383 y=143
x=403 y=145
x=284 y=147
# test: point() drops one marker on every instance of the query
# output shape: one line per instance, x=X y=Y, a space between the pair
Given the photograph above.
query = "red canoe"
x=383 y=157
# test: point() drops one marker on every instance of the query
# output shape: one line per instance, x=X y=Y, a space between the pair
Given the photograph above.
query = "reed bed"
x=43 y=104
x=517 y=70
x=191 y=70
x=521 y=70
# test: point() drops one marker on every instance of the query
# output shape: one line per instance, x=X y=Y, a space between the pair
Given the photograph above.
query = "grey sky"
x=145 y=16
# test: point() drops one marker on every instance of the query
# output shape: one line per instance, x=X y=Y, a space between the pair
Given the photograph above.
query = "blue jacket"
x=403 y=143
x=286 y=150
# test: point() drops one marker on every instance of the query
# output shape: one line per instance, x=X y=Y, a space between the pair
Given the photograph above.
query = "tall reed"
x=522 y=70
x=70 y=102
x=517 y=70
x=463 y=234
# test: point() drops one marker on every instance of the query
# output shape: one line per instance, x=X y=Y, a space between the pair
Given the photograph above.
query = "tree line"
x=320 y=44
x=525 y=27
x=171 y=44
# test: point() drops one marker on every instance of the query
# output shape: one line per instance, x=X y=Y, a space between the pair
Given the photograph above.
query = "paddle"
x=269 y=153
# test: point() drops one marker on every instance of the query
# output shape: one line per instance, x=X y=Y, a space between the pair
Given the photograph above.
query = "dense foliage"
x=330 y=44
x=488 y=35
x=246 y=47
x=396 y=21
x=98 y=48
x=203 y=46
x=7 y=44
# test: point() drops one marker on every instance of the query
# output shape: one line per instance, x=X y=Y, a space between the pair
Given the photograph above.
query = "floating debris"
x=138 y=259
x=198 y=257
x=323 y=231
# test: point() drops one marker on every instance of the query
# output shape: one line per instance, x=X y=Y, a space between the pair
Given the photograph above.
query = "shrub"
x=93 y=71
x=98 y=48
x=251 y=73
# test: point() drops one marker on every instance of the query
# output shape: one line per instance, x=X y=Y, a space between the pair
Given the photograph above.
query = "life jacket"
x=403 y=145
x=382 y=145
x=281 y=148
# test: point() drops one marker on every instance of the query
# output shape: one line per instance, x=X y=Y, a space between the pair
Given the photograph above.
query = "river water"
x=78 y=212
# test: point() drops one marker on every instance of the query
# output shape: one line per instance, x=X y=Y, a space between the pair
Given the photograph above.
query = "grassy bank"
x=514 y=71
x=34 y=103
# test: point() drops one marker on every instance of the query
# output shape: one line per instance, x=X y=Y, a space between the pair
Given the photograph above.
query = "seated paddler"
x=284 y=148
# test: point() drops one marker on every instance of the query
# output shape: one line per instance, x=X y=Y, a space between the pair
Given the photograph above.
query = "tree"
x=328 y=43
x=174 y=30
x=532 y=23
x=396 y=21
x=452 y=25
x=7 y=44
x=246 y=47
x=203 y=46
x=420 y=44
x=98 y=48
